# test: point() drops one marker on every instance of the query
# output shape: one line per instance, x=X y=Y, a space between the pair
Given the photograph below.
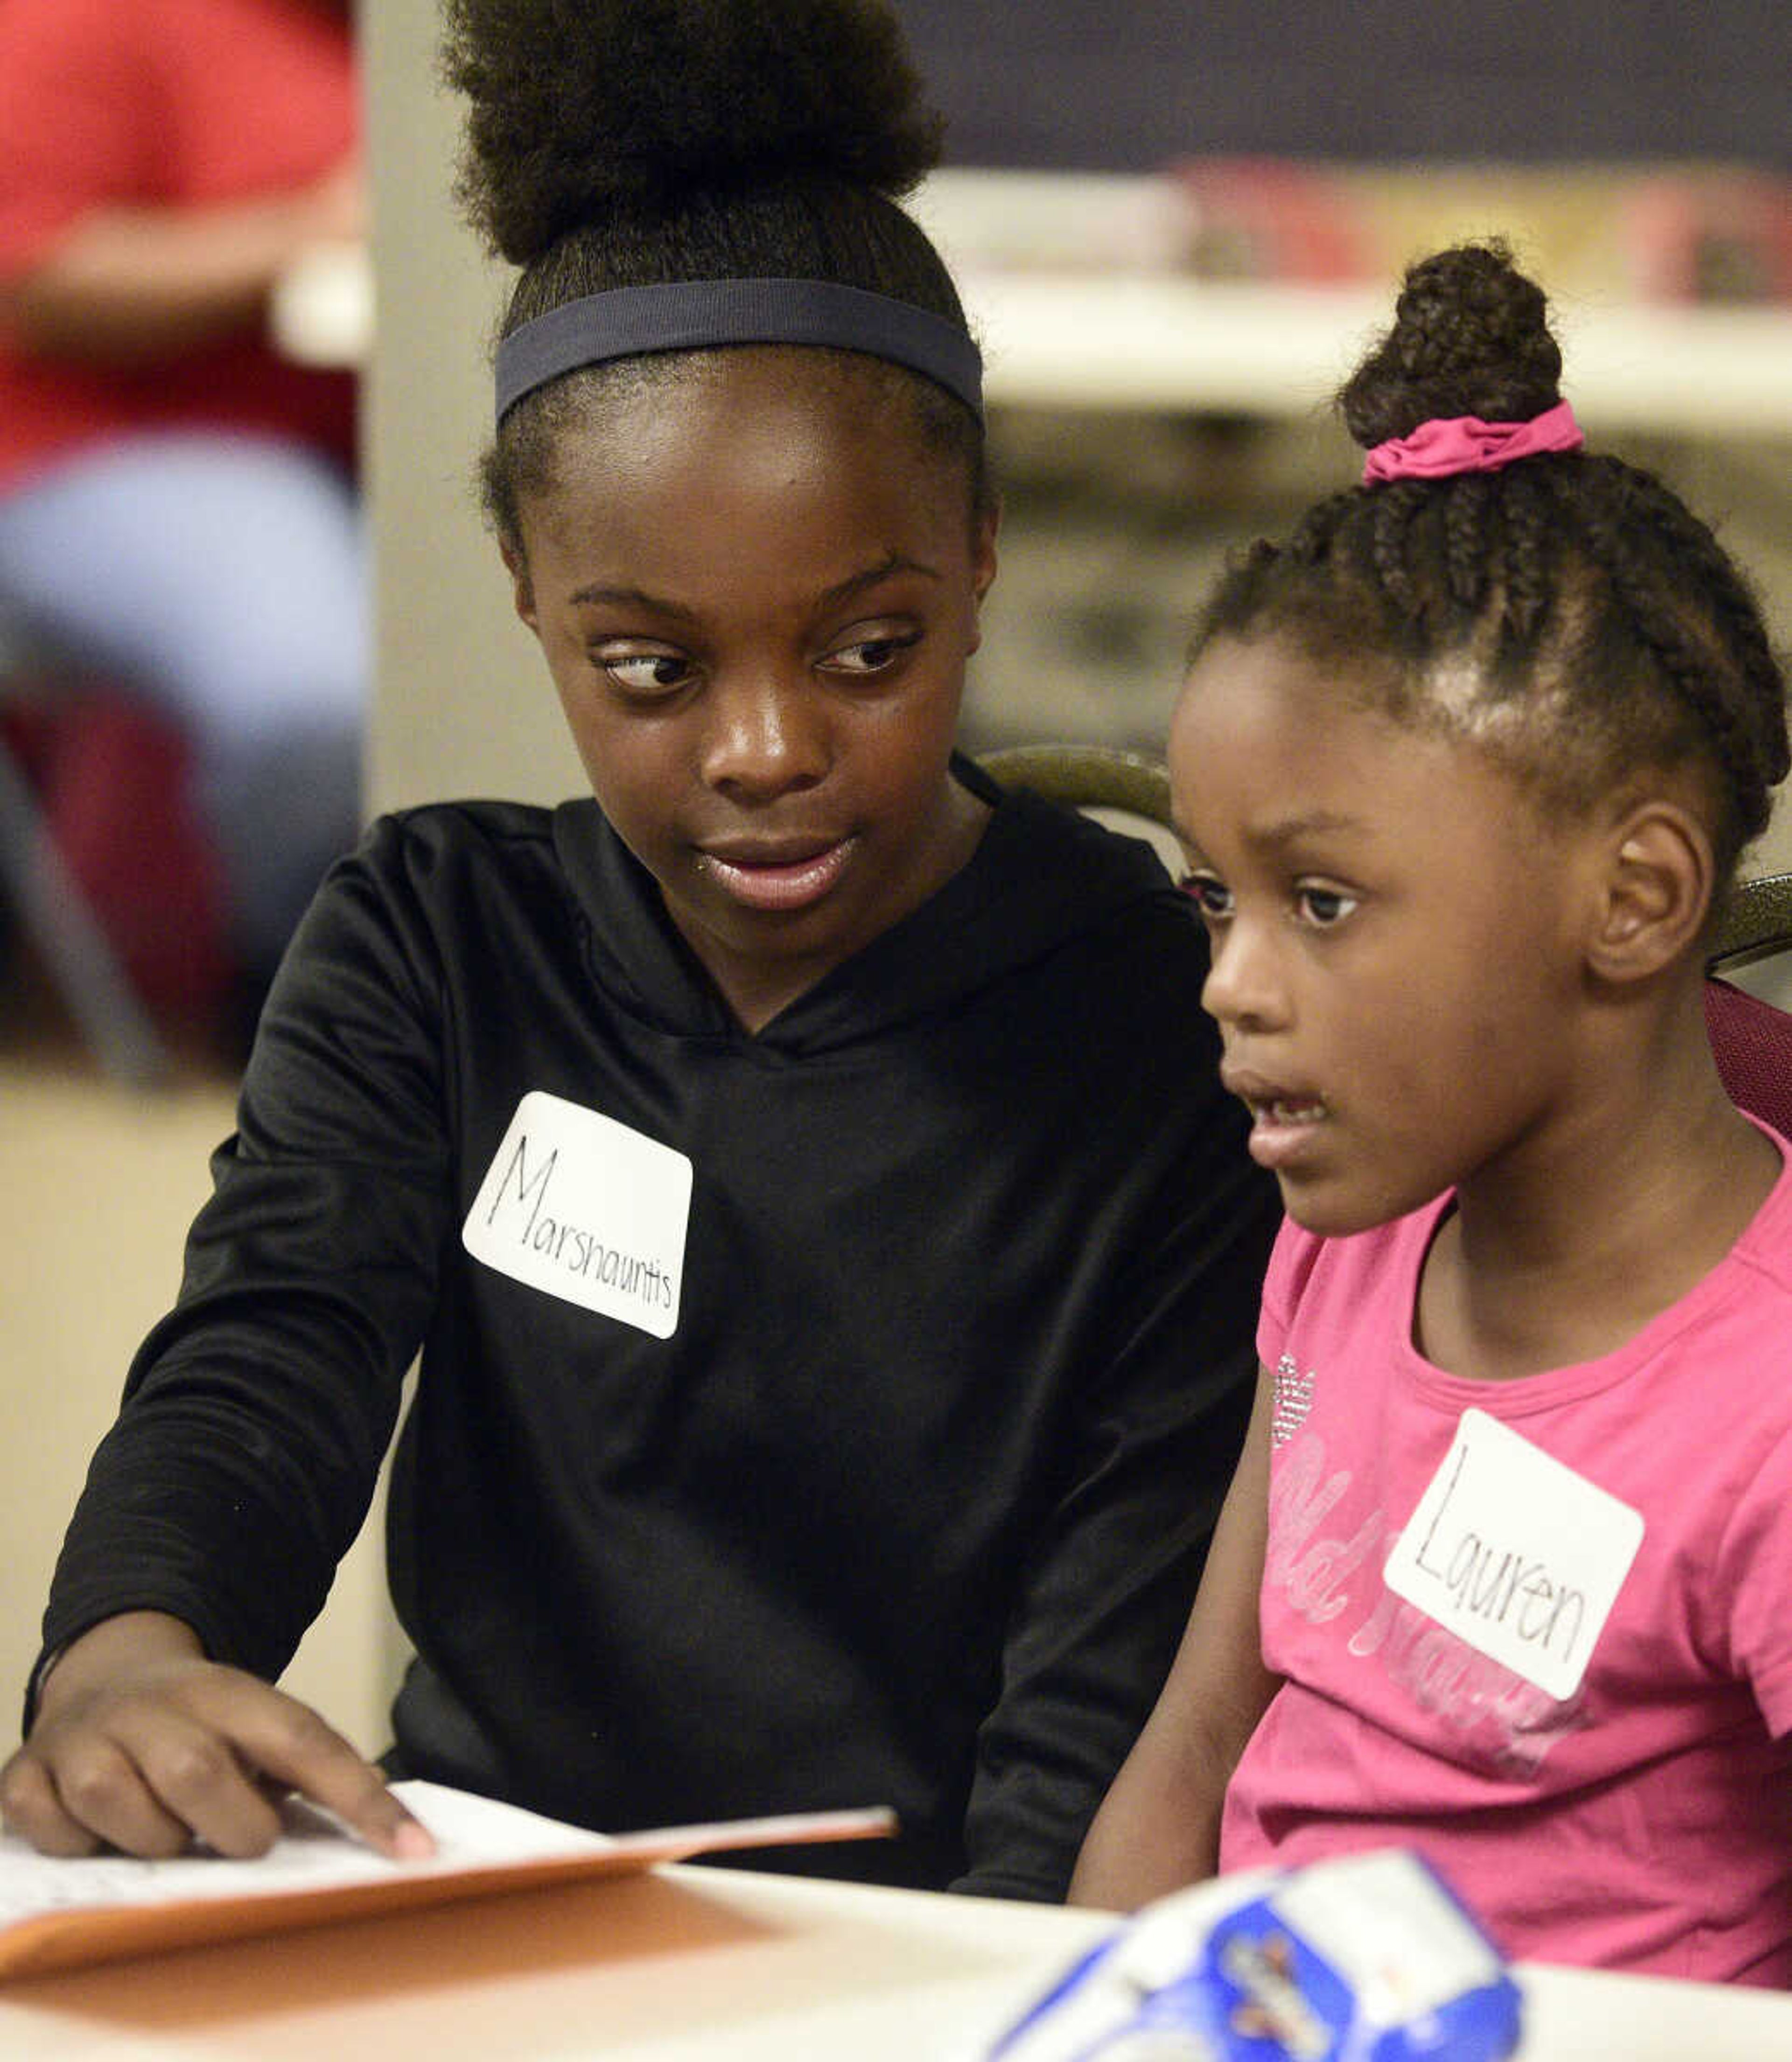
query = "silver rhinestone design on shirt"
x=1294 y=1400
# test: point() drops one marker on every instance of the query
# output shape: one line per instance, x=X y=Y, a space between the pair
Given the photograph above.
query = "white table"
x=708 y=1965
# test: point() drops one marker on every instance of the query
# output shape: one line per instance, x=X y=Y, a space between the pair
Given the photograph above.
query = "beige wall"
x=463 y=704
x=98 y=1184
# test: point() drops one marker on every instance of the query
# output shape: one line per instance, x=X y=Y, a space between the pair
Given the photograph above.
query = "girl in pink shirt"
x=1463 y=770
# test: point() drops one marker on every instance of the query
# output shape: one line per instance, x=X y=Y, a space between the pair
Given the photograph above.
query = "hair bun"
x=579 y=107
x=1470 y=337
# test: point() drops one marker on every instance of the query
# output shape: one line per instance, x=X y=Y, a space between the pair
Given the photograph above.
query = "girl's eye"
x=1211 y=896
x=863 y=657
x=648 y=674
x=1323 y=907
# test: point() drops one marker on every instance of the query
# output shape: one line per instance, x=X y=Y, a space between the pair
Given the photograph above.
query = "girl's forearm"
x=1158 y=1829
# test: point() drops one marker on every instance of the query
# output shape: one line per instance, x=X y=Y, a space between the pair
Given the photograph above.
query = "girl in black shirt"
x=802 y=1167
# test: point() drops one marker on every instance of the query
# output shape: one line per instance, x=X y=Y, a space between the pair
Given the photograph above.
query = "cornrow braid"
x=1311 y=542
x=1388 y=546
x=1468 y=547
x=1601 y=617
x=1532 y=509
x=1685 y=541
x=1637 y=527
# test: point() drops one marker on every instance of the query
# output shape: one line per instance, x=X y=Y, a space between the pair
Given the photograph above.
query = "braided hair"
x=634 y=143
x=1567 y=612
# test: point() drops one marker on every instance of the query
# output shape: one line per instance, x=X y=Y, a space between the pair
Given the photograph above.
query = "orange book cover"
x=62 y=1914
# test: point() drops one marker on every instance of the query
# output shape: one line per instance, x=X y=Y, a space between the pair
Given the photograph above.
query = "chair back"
x=1751 y=1039
x=1126 y=790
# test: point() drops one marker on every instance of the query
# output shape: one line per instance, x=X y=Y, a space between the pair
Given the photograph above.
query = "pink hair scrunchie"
x=1465 y=444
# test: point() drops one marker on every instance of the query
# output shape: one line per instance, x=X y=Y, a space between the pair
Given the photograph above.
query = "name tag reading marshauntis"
x=587 y=1209
x=1516 y=1553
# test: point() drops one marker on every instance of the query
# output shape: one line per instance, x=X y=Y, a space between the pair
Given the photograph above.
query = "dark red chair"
x=1751 y=1040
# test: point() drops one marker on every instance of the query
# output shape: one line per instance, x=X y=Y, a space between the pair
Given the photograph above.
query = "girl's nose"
x=1244 y=987
x=766 y=735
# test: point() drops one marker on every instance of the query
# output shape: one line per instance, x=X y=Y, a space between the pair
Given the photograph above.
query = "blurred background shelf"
x=1076 y=283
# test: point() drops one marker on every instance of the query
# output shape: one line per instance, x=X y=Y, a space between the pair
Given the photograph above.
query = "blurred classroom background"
x=1176 y=226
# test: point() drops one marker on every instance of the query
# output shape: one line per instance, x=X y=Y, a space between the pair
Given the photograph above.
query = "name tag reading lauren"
x=583 y=1207
x=1516 y=1553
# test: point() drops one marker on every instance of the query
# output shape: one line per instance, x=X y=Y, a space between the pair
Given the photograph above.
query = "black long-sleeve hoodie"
x=908 y=1506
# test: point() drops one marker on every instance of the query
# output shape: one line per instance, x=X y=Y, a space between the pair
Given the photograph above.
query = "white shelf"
x=1066 y=340
x=1070 y=284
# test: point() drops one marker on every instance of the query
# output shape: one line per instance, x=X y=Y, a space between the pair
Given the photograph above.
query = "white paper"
x=315 y=1852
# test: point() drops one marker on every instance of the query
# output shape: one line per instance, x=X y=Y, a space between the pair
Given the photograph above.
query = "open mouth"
x=777 y=880
x=1283 y=1127
x=1289 y=1109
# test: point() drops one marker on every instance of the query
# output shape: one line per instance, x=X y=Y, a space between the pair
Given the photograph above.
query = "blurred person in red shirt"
x=177 y=504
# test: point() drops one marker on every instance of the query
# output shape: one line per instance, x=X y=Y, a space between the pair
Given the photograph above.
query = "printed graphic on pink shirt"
x=1325 y=1559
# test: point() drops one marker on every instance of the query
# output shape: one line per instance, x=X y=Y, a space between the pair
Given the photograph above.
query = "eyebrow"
x=1314 y=823
x=631 y=597
x=1281 y=831
x=890 y=564
x=854 y=583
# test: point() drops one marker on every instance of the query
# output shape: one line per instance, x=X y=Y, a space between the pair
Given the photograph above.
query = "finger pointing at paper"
x=142 y=1743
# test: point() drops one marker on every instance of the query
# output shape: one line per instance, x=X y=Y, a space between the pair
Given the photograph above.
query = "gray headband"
x=691 y=315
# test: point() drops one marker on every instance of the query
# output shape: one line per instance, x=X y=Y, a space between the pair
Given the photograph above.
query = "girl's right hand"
x=143 y=1744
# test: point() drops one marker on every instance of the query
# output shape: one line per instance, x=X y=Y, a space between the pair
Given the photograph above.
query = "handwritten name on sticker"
x=1516 y=1553
x=587 y=1209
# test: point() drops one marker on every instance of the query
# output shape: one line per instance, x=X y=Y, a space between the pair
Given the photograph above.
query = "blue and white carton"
x=1368 y=1958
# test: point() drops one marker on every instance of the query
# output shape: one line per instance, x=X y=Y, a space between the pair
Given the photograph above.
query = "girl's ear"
x=1655 y=891
x=982 y=548
x=523 y=592
x=983 y=566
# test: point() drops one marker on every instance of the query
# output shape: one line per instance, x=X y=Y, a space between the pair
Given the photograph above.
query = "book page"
x=55 y=1913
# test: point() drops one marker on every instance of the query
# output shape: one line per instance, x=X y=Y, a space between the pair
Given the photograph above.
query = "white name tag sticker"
x=587 y=1209
x=1516 y=1553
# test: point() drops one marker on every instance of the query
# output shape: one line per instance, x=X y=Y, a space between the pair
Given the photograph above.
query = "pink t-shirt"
x=1644 y=1821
